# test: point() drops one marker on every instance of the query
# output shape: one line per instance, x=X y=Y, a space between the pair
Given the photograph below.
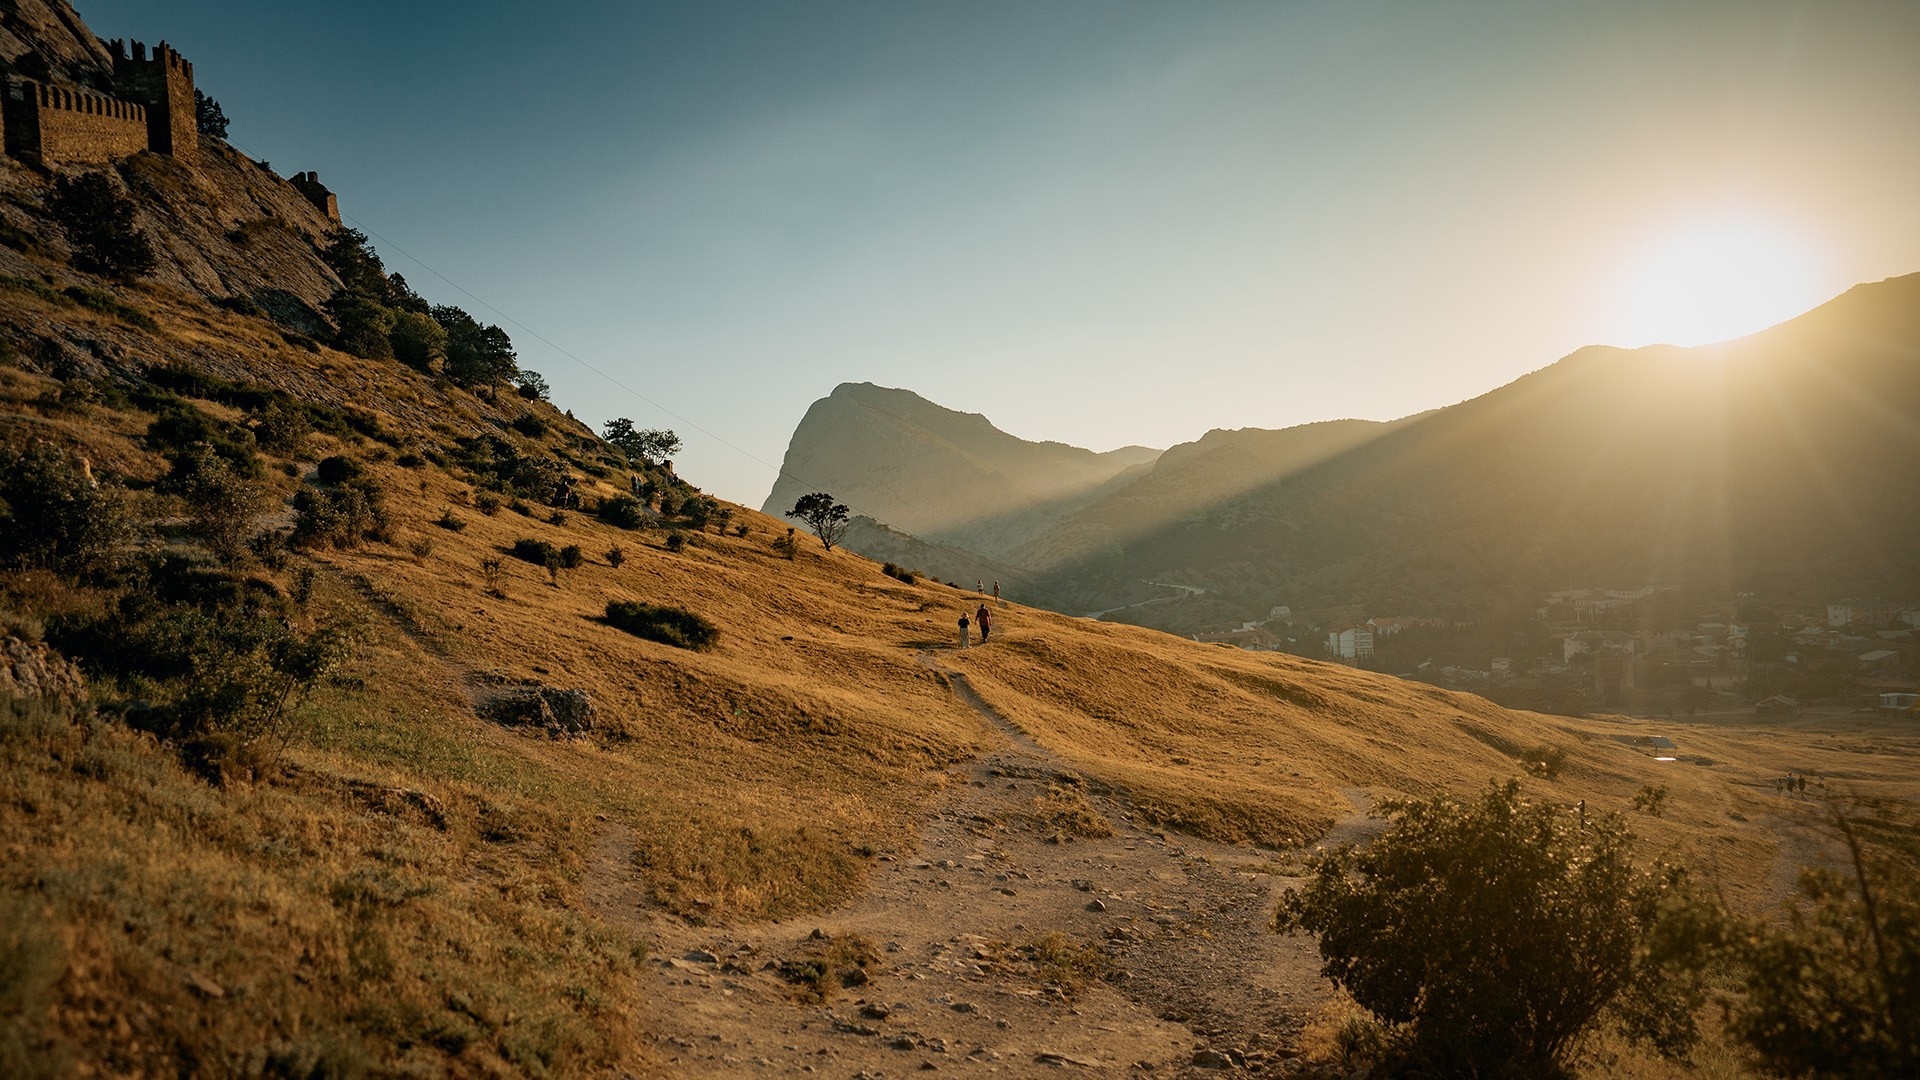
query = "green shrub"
x=622 y=511
x=54 y=515
x=179 y=427
x=1835 y=991
x=98 y=223
x=676 y=541
x=900 y=573
x=487 y=503
x=418 y=341
x=222 y=502
x=1491 y=936
x=340 y=515
x=615 y=556
x=339 y=470
x=530 y=425
x=283 y=430
x=667 y=625
x=449 y=522
x=537 y=552
x=571 y=556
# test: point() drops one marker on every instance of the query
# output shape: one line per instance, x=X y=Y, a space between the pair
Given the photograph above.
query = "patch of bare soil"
x=1014 y=941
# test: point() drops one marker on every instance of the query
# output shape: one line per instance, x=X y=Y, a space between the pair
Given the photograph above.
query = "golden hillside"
x=409 y=886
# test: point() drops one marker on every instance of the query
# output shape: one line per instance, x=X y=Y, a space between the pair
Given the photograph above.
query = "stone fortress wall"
x=55 y=125
x=164 y=84
x=152 y=109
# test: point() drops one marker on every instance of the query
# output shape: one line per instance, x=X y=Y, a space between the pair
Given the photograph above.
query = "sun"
x=1715 y=279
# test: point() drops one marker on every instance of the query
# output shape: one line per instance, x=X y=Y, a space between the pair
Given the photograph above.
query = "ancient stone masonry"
x=152 y=109
x=55 y=125
x=164 y=84
x=308 y=184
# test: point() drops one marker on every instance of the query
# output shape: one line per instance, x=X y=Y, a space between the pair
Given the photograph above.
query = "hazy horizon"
x=1104 y=225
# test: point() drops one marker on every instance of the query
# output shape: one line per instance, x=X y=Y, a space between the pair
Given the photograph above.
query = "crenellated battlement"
x=164 y=56
x=163 y=82
x=57 y=125
x=84 y=102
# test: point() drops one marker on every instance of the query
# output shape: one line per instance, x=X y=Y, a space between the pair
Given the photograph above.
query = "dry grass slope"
x=414 y=890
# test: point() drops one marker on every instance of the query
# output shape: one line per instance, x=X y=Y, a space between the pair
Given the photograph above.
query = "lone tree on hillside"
x=649 y=445
x=98 y=222
x=1489 y=936
x=827 y=519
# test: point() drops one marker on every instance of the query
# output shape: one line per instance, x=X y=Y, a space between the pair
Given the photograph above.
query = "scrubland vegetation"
x=280 y=834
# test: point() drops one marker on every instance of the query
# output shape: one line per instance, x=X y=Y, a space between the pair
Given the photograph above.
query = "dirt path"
x=963 y=928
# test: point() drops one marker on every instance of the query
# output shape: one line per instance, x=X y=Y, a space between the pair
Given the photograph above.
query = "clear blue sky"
x=1099 y=222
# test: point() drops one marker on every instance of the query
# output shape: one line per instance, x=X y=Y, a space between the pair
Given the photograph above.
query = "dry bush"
x=827 y=964
x=1064 y=812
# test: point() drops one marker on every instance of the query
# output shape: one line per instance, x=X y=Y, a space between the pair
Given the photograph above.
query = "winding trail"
x=1192 y=972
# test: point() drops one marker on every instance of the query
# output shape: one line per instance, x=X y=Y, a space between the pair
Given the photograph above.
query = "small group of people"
x=981 y=618
x=1790 y=784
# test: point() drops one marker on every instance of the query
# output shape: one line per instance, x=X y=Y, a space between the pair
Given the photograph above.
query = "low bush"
x=1835 y=990
x=900 y=573
x=667 y=625
x=339 y=470
x=622 y=511
x=570 y=557
x=530 y=425
x=449 y=522
x=1491 y=937
x=537 y=552
x=676 y=542
x=340 y=515
x=54 y=515
x=615 y=556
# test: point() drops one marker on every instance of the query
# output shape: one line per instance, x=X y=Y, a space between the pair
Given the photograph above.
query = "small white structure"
x=1900 y=702
x=1350 y=641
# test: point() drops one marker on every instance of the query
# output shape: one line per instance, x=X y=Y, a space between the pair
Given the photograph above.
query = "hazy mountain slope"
x=1192 y=477
x=945 y=475
x=1765 y=464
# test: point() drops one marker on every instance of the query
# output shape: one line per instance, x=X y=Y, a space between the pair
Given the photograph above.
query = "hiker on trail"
x=979 y=586
x=985 y=619
x=996 y=592
x=963 y=630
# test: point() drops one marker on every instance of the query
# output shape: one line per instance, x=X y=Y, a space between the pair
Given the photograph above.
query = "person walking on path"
x=963 y=630
x=985 y=619
x=996 y=592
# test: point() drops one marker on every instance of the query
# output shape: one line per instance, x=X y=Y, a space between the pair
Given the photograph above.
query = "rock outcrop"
x=561 y=713
x=33 y=672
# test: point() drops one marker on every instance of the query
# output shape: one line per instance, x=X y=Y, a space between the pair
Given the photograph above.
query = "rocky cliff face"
x=45 y=39
x=941 y=474
x=223 y=226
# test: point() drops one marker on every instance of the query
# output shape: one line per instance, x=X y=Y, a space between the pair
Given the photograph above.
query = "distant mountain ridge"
x=938 y=473
x=1778 y=463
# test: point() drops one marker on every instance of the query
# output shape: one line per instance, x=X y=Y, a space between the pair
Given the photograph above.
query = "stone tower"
x=164 y=84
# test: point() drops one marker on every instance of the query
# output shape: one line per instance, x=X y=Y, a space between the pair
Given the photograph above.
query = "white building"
x=1351 y=642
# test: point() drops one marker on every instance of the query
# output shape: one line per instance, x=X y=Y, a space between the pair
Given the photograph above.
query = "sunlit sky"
x=1099 y=222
